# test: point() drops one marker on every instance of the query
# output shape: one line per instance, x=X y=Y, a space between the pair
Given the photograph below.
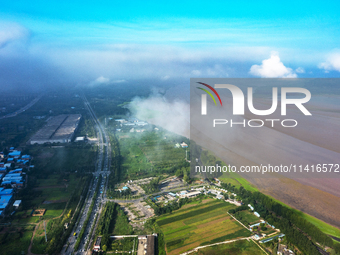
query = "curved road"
x=26 y=107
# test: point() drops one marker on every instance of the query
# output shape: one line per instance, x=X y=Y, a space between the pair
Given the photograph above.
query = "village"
x=14 y=168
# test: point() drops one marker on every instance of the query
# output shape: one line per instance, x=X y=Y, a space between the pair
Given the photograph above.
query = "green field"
x=199 y=224
x=248 y=216
x=242 y=247
x=149 y=153
x=21 y=240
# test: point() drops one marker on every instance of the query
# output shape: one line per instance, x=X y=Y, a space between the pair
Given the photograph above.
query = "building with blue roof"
x=26 y=157
x=19 y=170
x=125 y=188
x=5 y=201
x=12 y=178
x=14 y=153
x=10 y=159
x=271 y=238
x=13 y=174
x=4 y=191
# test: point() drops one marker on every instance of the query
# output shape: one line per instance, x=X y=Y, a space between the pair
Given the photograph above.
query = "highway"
x=26 y=107
x=103 y=169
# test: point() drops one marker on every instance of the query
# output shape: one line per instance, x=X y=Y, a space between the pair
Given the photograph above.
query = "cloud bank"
x=171 y=115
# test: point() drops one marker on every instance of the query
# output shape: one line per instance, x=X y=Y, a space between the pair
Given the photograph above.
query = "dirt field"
x=307 y=199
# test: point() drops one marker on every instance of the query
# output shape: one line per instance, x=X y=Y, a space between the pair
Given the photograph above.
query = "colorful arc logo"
x=209 y=93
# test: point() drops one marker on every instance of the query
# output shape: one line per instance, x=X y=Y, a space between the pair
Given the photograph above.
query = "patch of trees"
x=152 y=186
x=183 y=172
x=115 y=176
x=238 y=209
x=159 y=210
x=105 y=223
x=57 y=234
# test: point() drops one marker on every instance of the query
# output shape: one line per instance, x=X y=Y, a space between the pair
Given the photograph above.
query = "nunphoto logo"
x=238 y=99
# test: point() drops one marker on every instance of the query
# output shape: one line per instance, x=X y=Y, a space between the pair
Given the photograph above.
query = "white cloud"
x=100 y=80
x=10 y=32
x=300 y=70
x=165 y=77
x=196 y=72
x=171 y=115
x=332 y=63
x=272 y=68
x=118 y=81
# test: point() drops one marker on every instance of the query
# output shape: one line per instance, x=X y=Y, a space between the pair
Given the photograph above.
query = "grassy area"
x=71 y=158
x=249 y=217
x=324 y=227
x=242 y=247
x=21 y=240
x=126 y=244
x=197 y=225
x=149 y=153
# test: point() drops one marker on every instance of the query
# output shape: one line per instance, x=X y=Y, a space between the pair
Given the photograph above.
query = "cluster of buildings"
x=132 y=124
x=12 y=176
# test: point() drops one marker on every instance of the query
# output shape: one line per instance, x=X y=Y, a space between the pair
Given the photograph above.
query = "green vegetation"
x=324 y=227
x=150 y=153
x=199 y=224
x=126 y=244
x=152 y=186
x=21 y=238
x=141 y=155
x=56 y=233
x=242 y=247
x=246 y=217
x=114 y=221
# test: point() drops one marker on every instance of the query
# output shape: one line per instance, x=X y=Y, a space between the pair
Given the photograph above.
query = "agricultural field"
x=242 y=247
x=247 y=216
x=199 y=224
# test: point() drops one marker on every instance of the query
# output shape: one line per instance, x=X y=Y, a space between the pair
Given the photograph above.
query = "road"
x=103 y=169
x=26 y=107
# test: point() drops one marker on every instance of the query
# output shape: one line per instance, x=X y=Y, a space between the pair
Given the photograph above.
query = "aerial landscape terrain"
x=112 y=132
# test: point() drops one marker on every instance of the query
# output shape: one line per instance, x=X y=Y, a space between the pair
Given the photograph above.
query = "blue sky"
x=115 y=41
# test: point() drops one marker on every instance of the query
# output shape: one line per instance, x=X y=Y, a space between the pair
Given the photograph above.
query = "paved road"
x=103 y=169
x=13 y=114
